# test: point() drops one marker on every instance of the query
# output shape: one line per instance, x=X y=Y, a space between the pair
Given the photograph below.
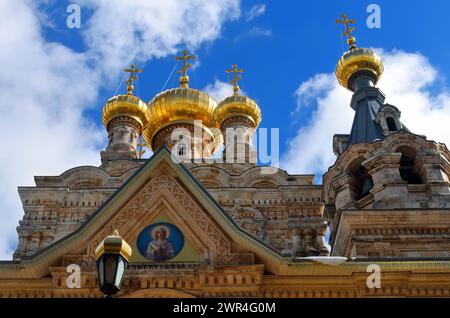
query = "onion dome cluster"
x=182 y=107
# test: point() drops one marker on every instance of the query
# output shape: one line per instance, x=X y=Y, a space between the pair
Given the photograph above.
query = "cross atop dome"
x=236 y=78
x=132 y=78
x=184 y=79
x=351 y=41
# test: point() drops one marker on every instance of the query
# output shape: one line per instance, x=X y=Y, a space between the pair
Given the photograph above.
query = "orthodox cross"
x=348 y=30
x=133 y=77
x=185 y=58
x=141 y=151
x=236 y=77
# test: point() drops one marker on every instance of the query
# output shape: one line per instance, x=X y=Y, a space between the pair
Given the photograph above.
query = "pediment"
x=163 y=203
x=159 y=189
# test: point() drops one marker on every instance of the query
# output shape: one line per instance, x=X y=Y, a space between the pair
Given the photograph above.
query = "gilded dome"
x=182 y=104
x=238 y=105
x=126 y=105
x=356 y=60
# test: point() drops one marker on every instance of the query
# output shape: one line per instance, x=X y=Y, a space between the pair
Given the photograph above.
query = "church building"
x=232 y=228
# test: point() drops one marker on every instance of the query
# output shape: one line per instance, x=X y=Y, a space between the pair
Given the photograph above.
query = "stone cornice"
x=376 y=222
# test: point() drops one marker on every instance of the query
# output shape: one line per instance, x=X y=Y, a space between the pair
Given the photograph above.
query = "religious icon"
x=160 y=248
x=160 y=242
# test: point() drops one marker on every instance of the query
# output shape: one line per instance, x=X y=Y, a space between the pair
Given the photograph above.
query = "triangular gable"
x=94 y=227
x=162 y=193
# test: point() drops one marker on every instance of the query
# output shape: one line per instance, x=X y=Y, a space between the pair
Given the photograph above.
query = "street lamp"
x=112 y=257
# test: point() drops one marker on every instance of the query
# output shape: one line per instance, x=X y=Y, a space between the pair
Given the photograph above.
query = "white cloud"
x=46 y=87
x=406 y=82
x=124 y=31
x=254 y=32
x=42 y=98
x=255 y=11
x=219 y=90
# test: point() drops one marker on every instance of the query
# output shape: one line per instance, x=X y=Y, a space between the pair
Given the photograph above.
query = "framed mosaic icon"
x=160 y=242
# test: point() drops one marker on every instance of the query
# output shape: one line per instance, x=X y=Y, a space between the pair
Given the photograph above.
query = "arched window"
x=362 y=180
x=407 y=169
x=181 y=150
x=392 y=125
x=365 y=182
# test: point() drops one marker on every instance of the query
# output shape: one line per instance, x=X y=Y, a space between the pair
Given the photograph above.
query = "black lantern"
x=112 y=257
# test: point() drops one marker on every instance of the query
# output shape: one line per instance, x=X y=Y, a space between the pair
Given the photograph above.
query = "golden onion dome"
x=356 y=60
x=238 y=105
x=177 y=105
x=126 y=105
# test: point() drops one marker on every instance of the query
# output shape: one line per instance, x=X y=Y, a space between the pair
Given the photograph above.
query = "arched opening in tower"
x=408 y=170
x=392 y=125
x=362 y=181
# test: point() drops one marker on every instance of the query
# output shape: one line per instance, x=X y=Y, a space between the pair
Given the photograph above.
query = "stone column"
x=23 y=241
x=21 y=246
x=343 y=191
x=430 y=168
x=309 y=243
x=297 y=243
x=384 y=168
x=388 y=184
x=34 y=243
x=320 y=243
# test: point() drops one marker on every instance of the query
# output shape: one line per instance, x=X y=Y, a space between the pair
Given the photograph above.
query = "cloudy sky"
x=54 y=79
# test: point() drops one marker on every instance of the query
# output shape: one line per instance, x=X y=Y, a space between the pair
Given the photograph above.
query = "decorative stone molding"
x=399 y=233
x=145 y=199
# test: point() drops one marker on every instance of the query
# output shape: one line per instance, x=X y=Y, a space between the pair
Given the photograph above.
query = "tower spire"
x=132 y=78
x=236 y=78
x=351 y=41
x=359 y=70
x=358 y=67
x=184 y=79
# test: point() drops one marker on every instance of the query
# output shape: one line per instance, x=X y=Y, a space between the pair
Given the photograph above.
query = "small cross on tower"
x=348 y=30
x=133 y=77
x=236 y=78
x=141 y=145
x=185 y=58
x=184 y=79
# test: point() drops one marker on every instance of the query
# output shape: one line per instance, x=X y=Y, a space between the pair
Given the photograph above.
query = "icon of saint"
x=160 y=248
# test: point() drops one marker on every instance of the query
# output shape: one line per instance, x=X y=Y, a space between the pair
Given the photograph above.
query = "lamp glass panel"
x=110 y=269
x=120 y=271
x=101 y=271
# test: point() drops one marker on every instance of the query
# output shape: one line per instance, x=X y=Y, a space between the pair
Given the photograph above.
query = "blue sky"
x=289 y=43
x=59 y=78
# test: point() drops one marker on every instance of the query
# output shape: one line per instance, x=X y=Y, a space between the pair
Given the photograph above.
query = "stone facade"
x=252 y=231
x=273 y=207
x=233 y=264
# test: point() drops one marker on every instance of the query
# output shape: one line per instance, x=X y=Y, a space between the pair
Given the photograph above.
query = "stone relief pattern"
x=146 y=196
